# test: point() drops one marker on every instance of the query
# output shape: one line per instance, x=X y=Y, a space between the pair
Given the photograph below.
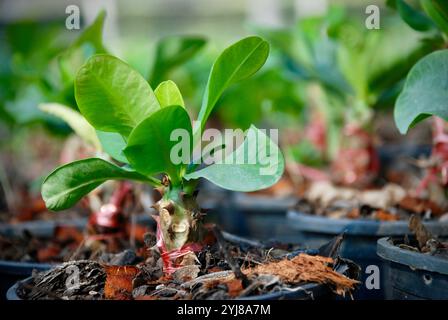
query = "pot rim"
x=359 y=227
x=23 y=268
x=261 y=202
x=415 y=260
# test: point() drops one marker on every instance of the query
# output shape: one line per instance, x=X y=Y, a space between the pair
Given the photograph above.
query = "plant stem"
x=178 y=218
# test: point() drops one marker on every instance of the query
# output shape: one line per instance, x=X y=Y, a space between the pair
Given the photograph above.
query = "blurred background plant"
x=326 y=72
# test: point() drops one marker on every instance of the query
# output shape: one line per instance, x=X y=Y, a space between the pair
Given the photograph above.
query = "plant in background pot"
x=424 y=95
x=115 y=98
x=345 y=96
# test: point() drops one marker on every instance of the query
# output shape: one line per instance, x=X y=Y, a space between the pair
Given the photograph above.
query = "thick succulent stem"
x=179 y=218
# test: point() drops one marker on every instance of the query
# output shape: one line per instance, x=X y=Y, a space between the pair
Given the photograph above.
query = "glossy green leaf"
x=113 y=144
x=150 y=143
x=414 y=18
x=168 y=94
x=171 y=52
x=237 y=62
x=75 y=120
x=69 y=183
x=112 y=96
x=425 y=92
x=437 y=10
x=260 y=165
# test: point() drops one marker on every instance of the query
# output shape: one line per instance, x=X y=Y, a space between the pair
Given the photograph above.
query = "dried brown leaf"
x=421 y=233
x=118 y=284
x=234 y=287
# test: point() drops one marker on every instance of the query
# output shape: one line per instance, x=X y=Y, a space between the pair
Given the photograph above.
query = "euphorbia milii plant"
x=116 y=99
x=425 y=93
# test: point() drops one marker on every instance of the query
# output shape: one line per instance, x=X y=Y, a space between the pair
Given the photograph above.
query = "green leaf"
x=171 y=52
x=149 y=144
x=24 y=107
x=113 y=144
x=93 y=34
x=264 y=170
x=75 y=120
x=112 y=96
x=168 y=94
x=69 y=183
x=237 y=62
x=437 y=10
x=414 y=18
x=425 y=92
x=88 y=43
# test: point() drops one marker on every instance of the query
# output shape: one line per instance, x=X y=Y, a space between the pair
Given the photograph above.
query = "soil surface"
x=227 y=267
x=387 y=204
x=70 y=243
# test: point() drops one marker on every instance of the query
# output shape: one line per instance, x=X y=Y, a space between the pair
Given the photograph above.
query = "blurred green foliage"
x=40 y=67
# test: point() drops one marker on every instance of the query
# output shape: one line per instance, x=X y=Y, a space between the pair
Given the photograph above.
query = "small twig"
x=235 y=267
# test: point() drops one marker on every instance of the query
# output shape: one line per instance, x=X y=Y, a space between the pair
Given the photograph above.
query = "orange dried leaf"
x=118 y=284
x=234 y=287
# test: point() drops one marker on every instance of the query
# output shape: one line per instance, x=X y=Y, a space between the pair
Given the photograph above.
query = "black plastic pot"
x=212 y=197
x=257 y=216
x=412 y=275
x=360 y=238
x=12 y=271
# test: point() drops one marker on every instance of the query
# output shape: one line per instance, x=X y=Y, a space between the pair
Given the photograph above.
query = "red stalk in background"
x=437 y=172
